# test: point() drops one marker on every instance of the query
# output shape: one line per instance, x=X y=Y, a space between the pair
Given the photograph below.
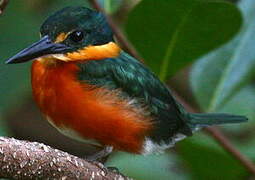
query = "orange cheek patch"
x=61 y=37
x=109 y=50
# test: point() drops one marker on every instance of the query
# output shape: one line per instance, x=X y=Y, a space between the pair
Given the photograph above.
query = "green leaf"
x=242 y=134
x=243 y=103
x=206 y=160
x=222 y=81
x=217 y=77
x=164 y=167
x=170 y=34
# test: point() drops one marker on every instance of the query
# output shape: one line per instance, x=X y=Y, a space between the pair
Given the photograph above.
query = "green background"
x=203 y=49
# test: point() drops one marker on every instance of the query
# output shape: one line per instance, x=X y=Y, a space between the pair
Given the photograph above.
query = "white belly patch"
x=150 y=147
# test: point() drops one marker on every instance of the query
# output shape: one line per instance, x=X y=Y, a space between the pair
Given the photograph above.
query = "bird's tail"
x=197 y=120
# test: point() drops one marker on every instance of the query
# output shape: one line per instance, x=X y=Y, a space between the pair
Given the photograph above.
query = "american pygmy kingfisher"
x=92 y=91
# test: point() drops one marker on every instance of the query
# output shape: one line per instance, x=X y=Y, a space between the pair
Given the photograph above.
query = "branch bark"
x=32 y=160
x=3 y=5
x=212 y=131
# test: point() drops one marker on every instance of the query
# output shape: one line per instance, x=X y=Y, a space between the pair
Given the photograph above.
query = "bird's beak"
x=41 y=48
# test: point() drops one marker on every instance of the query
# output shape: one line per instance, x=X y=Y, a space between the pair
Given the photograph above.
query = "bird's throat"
x=109 y=50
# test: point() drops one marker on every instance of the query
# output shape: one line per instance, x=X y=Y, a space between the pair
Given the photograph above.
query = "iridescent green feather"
x=136 y=81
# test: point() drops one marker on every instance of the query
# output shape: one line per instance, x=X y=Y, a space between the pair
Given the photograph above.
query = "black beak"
x=41 y=48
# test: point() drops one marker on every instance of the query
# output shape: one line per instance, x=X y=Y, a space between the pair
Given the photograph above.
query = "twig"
x=214 y=132
x=117 y=32
x=221 y=139
x=32 y=160
x=224 y=142
x=3 y=5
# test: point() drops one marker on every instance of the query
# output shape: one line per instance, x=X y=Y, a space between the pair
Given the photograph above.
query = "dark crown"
x=92 y=23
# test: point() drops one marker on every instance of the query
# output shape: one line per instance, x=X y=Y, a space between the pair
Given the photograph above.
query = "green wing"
x=136 y=81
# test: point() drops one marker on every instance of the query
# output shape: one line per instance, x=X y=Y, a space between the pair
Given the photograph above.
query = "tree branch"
x=32 y=160
x=212 y=131
x=3 y=5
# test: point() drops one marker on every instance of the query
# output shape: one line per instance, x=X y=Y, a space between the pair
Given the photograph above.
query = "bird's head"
x=71 y=34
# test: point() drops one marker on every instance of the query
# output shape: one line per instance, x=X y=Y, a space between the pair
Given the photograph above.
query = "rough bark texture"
x=32 y=160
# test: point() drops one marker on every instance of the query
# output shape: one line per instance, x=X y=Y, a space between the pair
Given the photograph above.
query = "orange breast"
x=93 y=113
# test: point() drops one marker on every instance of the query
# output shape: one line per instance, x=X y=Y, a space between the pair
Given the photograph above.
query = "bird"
x=91 y=90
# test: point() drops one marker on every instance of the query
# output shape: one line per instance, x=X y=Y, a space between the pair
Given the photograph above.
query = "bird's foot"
x=101 y=156
x=113 y=169
x=105 y=168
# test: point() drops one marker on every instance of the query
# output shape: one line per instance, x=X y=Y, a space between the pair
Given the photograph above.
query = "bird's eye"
x=76 y=36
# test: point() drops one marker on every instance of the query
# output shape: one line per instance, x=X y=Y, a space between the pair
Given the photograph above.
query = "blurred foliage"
x=3 y=128
x=229 y=69
x=180 y=32
x=20 y=27
x=169 y=34
x=110 y=6
x=224 y=81
x=150 y=167
x=170 y=39
x=207 y=160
